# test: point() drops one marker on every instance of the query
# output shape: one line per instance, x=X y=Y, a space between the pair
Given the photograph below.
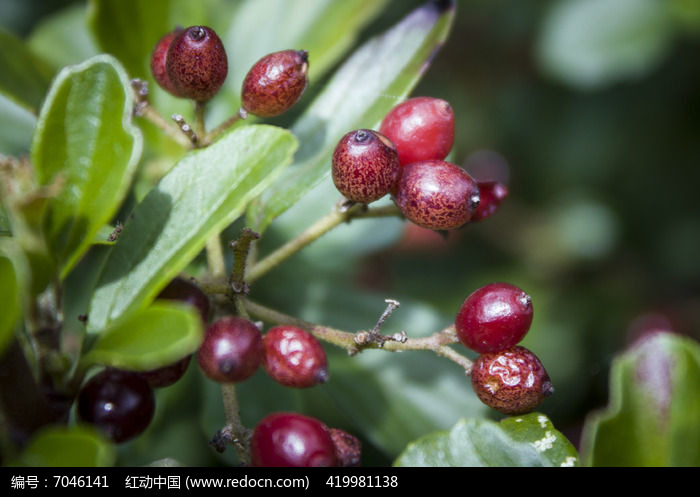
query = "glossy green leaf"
x=60 y=446
x=150 y=338
x=85 y=140
x=129 y=29
x=591 y=43
x=25 y=77
x=66 y=29
x=523 y=441
x=199 y=197
x=9 y=296
x=324 y=28
x=16 y=139
x=378 y=75
x=654 y=408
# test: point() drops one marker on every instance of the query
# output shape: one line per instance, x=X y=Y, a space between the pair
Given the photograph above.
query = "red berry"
x=182 y=290
x=494 y=317
x=365 y=166
x=291 y=440
x=275 y=83
x=120 y=403
x=196 y=63
x=436 y=195
x=167 y=375
x=512 y=381
x=423 y=128
x=158 y=58
x=294 y=358
x=492 y=194
x=231 y=351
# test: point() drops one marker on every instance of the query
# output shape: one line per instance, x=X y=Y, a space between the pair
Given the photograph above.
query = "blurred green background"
x=590 y=109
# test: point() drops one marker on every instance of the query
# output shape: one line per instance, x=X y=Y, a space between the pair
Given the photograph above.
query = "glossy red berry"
x=492 y=194
x=494 y=317
x=348 y=448
x=275 y=83
x=185 y=291
x=120 y=403
x=158 y=58
x=423 y=128
x=196 y=63
x=512 y=381
x=231 y=351
x=436 y=195
x=294 y=358
x=167 y=375
x=365 y=166
x=291 y=440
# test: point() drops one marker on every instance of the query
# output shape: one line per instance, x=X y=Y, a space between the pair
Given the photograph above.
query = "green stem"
x=214 y=134
x=235 y=433
x=215 y=257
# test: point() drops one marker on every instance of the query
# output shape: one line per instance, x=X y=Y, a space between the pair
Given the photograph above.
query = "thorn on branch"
x=365 y=338
x=185 y=128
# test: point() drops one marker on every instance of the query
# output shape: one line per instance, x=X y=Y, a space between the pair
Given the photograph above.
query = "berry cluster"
x=506 y=377
x=406 y=158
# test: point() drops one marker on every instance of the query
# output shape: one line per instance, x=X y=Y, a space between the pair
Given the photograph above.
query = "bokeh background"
x=590 y=111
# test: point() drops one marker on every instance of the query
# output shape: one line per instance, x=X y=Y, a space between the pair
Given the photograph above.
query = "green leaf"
x=652 y=417
x=24 y=77
x=206 y=191
x=324 y=28
x=9 y=296
x=592 y=43
x=86 y=141
x=16 y=139
x=380 y=73
x=523 y=441
x=129 y=29
x=148 y=339
x=68 y=30
x=60 y=446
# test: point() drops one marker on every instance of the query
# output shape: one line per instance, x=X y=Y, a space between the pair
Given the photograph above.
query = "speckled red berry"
x=120 y=403
x=494 y=317
x=275 y=83
x=294 y=358
x=423 y=128
x=365 y=166
x=512 y=381
x=291 y=440
x=196 y=63
x=492 y=194
x=436 y=195
x=158 y=58
x=232 y=350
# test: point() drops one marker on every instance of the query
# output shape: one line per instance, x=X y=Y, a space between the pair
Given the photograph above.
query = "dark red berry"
x=365 y=166
x=275 y=83
x=348 y=448
x=494 y=317
x=167 y=375
x=231 y=351
x=436 y=195
x=294 y=358
x=158 y=58
x=291 y=440
x=196 y=63
x=422 y=128
x=492 y=194
x=120 y=403
x=182 y=290
x=512 y=381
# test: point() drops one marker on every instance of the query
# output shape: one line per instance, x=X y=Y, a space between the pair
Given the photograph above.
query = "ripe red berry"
x=436 y=194
x=231 y=351
x=275 y=83
x=494 y=317
x=196 y=63
x=512 y=381
x=492 y=194
x=158 y=58
x=423 y=128
x=182 y=290
x=120 y=403
x=365 y=166
x=167 y=375
x=294 y=358
x=291 y=440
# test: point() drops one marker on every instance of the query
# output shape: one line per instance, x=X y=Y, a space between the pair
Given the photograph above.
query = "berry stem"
x=144 y=109
x=237 y=284
x=215 y=257
x=337 y=216
x=214 y=134
x=234 y=432
x=199 y=124
x=438 y=342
